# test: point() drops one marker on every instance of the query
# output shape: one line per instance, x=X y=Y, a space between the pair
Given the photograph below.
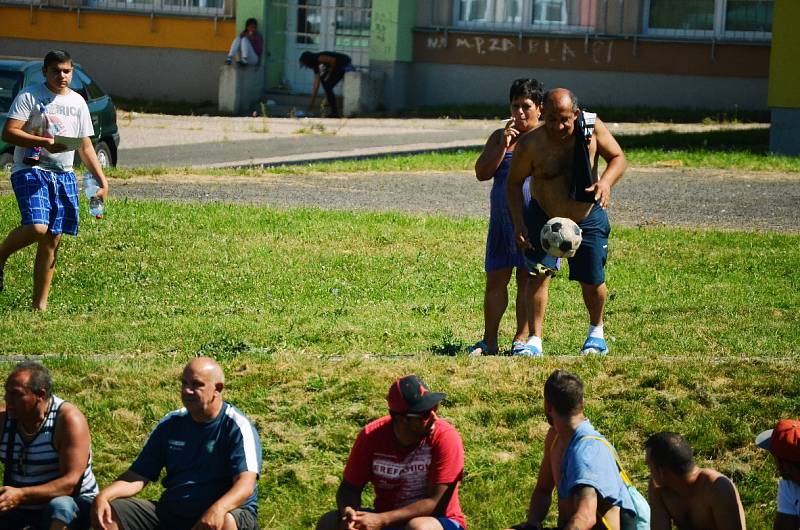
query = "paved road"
x=153 y=140
x=150 y=140
x=292 y=149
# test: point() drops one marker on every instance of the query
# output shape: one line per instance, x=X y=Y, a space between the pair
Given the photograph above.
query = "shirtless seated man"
x=548 y=154
x=684 y=495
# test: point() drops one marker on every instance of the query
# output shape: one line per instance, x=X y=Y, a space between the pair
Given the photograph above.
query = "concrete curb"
x=353 y=154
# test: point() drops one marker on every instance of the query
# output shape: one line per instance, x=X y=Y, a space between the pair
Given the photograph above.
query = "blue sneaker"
x=594 y=346
x=523 y=349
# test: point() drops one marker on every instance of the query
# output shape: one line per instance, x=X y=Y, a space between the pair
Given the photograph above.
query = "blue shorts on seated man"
x=72 y=511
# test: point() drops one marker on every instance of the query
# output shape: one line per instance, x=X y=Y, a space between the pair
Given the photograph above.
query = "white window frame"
x=479 y=23
x=718 y=32
x=562 y=22
x=495 y=8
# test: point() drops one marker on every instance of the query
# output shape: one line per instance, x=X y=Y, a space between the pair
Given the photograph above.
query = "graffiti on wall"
x=552 y=50
x=380 y=42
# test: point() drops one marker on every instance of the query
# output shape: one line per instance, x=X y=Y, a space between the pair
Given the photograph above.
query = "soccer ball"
x=561 y=237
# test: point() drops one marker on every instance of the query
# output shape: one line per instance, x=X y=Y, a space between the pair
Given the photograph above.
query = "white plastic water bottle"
x=90 y=188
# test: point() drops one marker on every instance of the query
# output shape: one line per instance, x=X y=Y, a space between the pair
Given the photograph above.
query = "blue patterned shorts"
x=47 y=198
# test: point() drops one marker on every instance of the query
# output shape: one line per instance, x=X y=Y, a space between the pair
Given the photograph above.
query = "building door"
x=325 y=25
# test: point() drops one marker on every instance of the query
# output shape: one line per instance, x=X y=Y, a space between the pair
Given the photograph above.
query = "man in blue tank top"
x=578 y=465
x=212 y=456
x=45 y=447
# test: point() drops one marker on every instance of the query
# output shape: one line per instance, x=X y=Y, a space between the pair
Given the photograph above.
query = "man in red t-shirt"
x=415 y=462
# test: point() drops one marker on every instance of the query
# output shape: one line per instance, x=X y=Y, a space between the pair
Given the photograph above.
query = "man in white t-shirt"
x=42 y=177
x=784 y=443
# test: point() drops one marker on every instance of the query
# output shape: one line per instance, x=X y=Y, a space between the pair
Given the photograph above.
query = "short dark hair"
x=671 y=451
x=40 y=378
x=307 y=59
x=564 y=391
x=528 y=89
x=251 y=21
x=548 y=96
x=56 y=57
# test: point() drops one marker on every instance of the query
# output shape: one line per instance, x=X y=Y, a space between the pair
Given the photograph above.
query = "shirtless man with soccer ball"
x=562 y=157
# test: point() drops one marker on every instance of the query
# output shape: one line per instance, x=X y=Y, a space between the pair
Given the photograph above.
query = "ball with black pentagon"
x=561 y=237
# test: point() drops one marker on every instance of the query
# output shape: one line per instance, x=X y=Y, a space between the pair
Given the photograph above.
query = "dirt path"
x=657 y=196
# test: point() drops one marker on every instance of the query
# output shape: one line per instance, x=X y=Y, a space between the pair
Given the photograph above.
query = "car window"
x=33 y=76
x=10 y=83
x=78 y=86
x=92 y=88
x=95 y=91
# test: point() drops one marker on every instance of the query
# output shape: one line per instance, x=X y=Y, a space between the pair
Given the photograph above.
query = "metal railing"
x=203 y=8
x=702 y=20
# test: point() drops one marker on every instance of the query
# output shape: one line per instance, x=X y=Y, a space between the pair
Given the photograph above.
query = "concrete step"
x=281 y=104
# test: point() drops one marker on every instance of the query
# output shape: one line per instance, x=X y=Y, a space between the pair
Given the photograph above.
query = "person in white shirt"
x=784 y=443
x=42 y=176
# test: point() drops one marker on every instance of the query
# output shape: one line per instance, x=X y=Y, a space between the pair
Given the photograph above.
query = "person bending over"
x=562 y=156
x=329 y=68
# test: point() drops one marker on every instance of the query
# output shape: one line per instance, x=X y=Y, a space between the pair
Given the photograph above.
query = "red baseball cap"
x=411 y=394
x=783 y=441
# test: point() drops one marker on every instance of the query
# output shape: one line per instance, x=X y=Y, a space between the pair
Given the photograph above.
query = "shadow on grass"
x=755 y=141
x=224 y=347
x=449 y=345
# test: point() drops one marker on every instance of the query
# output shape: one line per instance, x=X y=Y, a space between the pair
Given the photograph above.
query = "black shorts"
x=140 y=514
x=588 y=263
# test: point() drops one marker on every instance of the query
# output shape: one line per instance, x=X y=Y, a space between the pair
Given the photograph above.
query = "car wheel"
x=6 y=161
x=103 y=154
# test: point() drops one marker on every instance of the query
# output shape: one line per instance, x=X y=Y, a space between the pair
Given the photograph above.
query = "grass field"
x=313 y=313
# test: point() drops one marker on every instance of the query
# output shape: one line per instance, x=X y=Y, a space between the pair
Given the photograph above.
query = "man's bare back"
x=709 y=502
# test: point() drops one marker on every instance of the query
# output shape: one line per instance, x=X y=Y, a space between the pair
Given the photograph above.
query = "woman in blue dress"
x=502 y=254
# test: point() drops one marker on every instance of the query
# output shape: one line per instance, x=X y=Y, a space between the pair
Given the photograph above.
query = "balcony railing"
x=202 y=8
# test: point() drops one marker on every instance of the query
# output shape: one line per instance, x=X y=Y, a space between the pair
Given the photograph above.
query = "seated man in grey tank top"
x=45 y=447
